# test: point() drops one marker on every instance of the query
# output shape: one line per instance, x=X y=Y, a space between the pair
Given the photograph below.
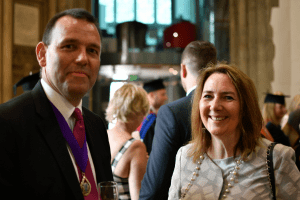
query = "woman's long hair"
x=250 y=116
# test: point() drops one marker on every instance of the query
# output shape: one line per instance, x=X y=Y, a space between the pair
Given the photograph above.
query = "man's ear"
x=40 y=51
x=151 y=95
x=183 y=70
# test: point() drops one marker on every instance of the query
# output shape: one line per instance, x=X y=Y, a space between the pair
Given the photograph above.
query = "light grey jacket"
x=253 y=182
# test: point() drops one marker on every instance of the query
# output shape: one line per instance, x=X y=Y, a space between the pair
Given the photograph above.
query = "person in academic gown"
x=273 y=111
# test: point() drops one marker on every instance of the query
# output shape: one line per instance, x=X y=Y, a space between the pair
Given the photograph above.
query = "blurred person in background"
x=292 y=130
x=288 y=125
x=128 y=107
x=157 y=96
x=273 y=111
x=294 y=105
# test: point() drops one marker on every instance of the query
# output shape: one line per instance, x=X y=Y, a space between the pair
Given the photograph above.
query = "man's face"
x=72 y=59
x=279 y=111
x=160 y=97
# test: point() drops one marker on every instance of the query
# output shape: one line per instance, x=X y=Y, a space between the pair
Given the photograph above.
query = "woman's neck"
x=124 y=127
x=220 y=149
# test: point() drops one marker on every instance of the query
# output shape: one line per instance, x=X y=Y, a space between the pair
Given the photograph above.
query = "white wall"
x=286 y=37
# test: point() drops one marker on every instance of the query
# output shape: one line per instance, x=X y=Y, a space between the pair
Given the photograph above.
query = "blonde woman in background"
x=128 y=107
x=273 y=111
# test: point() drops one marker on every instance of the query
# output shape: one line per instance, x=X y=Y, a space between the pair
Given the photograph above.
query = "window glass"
x=125 y=10
x=108 y=10
x=145 y=11
x=164 y=11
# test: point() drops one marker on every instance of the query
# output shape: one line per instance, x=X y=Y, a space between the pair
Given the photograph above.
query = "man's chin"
x=78 y=91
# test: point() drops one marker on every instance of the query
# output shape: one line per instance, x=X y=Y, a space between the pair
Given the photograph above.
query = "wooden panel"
x=1 y=50
x=24 y=62
x=6 y=77
x=68 y=4
x=24 y=59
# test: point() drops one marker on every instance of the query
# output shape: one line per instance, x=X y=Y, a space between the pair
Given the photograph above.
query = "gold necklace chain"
x=232 y=178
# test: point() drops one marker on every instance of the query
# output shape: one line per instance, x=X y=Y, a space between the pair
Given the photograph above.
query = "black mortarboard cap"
x=272 y=98
x=27 y=82
x=154 y=85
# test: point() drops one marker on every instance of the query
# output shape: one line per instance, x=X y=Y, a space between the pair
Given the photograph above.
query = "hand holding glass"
x=108 y=190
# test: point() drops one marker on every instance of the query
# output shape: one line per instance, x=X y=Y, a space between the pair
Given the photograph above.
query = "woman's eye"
x=207 y=96
x=229 y=98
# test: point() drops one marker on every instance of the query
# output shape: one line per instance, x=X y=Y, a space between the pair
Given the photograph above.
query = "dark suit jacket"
x=172 y=130
x=35 y=162
x=278 y=134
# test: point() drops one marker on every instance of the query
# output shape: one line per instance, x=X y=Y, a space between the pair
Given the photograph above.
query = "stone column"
x=251 y=45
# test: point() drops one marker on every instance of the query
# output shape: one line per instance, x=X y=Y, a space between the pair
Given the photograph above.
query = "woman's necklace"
x=232 y=178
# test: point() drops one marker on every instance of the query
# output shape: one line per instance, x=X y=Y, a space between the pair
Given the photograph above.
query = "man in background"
x=173 y=126
x=157 y=96
x=50 y=146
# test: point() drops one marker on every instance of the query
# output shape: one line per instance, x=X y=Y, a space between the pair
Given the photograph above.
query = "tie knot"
x=77 y=114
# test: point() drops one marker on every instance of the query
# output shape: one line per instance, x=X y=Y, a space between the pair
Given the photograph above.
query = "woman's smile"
x=220 y=106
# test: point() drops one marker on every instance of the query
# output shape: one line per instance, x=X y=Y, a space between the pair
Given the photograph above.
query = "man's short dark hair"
x=77 y=13
x=198 y=54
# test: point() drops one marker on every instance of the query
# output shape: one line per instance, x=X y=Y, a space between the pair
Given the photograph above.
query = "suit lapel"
x=50 y=129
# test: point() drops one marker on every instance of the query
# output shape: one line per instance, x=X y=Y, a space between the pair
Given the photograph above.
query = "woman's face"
x=220 y=106
x=279 y=111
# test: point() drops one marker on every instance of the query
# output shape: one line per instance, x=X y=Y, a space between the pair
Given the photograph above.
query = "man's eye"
x=69 y=46
x=93 y=51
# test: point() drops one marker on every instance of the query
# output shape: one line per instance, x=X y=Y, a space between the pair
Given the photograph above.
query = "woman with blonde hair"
x=273 y=111
x=226 y=158
x=128 y=107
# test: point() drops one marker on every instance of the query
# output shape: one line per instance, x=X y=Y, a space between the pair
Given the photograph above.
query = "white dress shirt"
x=190 y=90
x=67 y=109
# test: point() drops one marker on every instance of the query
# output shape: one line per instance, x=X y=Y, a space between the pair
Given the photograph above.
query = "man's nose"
x=82 y=58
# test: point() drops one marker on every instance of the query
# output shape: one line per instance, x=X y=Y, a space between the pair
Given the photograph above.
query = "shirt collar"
x=190 y=90
x=62 y=104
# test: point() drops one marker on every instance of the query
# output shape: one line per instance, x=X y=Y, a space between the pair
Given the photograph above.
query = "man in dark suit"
x=173 y=126
x=40 y=156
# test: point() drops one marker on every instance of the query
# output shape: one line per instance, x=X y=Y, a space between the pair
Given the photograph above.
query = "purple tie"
x=79 y=134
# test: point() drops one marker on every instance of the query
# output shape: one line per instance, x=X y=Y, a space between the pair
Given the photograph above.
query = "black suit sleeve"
x=9 y=170
x=166 y=143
